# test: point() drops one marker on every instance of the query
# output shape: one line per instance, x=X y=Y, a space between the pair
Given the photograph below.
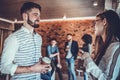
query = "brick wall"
x=59 y=29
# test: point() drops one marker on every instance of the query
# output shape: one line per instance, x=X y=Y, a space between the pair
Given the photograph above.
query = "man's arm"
x=7 y=60
x=65 y=46
x=49 y=52
x=37 y=68
x=58 y=55
x=76 y=49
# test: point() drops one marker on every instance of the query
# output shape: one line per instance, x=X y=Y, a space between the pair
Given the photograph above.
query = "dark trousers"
x=55 y=68
x=46 y=76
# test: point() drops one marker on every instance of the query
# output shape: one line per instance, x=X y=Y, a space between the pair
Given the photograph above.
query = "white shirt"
x=69 y=53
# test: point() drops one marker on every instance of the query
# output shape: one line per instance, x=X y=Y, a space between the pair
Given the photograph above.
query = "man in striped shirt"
x=22 y=49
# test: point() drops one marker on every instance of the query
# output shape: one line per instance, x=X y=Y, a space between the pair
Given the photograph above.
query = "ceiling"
x=52 y=9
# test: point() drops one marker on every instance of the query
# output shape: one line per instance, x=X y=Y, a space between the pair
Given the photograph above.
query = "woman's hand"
x=86 y=55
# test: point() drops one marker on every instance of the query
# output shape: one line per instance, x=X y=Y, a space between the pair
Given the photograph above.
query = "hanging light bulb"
x=95 y=3
x=15 y=20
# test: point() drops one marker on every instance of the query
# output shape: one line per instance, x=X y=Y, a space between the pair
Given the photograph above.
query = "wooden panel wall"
x=5 y=30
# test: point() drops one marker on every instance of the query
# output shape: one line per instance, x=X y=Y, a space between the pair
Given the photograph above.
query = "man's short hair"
x=69 y=34
x=28 y=6
x=53 y=39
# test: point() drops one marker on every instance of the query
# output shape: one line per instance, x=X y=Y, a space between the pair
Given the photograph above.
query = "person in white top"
x=22 y=49
x=106 y=65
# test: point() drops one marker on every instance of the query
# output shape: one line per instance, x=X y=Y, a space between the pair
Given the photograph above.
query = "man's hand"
x=40 y=68
x=53 y=55
x=67 y=48
x=59 y=66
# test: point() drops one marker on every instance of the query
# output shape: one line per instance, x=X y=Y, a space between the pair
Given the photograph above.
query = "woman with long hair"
x=87 y=46
x=106 y=65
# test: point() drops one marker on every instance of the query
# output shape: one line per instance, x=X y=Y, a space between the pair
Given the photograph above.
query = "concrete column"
x=118 y=8
x=108 y=4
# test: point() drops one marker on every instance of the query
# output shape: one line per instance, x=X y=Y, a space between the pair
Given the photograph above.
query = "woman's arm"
x=103 y=70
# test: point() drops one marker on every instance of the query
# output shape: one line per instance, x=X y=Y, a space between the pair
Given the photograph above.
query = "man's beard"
x=33 y=24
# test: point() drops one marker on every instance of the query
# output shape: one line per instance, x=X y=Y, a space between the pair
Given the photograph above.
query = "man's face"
x=69 y=37
x=53 y=42
x=34 y=17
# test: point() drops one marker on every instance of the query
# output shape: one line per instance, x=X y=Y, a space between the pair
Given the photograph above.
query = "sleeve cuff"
x=89 y=64
x=13 y=69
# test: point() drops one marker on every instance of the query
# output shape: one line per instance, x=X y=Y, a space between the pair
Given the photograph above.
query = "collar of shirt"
x=27 y=30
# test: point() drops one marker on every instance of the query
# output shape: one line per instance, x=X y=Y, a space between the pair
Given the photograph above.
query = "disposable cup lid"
x=46 y=60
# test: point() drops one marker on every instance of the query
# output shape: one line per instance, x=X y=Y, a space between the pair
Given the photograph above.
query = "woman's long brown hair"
x=112 y=30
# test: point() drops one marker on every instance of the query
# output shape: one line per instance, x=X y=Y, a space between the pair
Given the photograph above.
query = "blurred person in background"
x=71 y=49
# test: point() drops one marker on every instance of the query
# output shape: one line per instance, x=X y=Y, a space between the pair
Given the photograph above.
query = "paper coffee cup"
x=46 y=60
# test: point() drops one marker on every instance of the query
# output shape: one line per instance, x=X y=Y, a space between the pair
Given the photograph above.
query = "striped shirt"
x=22 y=48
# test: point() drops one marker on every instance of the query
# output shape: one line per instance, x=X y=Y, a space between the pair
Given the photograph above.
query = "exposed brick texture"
x=59 y=29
